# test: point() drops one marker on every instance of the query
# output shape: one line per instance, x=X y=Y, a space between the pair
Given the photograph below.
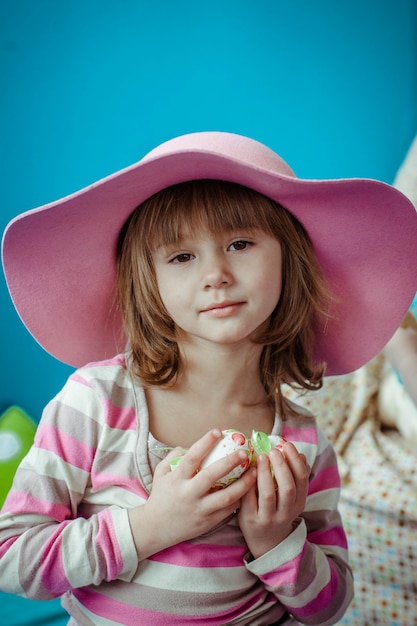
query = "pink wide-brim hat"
x=59 y=259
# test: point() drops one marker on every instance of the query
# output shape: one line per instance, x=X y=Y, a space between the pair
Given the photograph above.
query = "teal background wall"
x=89 y=86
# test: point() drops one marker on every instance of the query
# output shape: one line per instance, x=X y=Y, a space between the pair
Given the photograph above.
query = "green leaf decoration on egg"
x=260 y=442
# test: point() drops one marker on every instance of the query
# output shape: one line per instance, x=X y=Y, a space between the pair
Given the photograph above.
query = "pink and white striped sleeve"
x=48 y=544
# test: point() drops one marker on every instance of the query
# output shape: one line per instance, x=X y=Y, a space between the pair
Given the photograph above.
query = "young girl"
x=211 y=295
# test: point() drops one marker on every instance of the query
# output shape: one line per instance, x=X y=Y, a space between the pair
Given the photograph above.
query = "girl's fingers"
x=291 y=473
x=296 y=462
x=280 y=466
x=231 y=496
x=190 y=461
x=267 y=483
x=193 y=457
x=219 y=469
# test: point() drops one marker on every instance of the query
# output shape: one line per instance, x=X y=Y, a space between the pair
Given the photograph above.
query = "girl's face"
x=220 y=288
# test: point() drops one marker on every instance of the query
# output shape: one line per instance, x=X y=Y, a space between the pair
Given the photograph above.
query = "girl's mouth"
x=223 y=309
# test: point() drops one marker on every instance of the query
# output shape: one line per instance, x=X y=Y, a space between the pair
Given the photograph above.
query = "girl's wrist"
x=147 y=540
x=258 y=549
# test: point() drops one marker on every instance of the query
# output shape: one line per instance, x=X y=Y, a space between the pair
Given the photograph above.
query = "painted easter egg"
x=259 y=443
x=232 y=440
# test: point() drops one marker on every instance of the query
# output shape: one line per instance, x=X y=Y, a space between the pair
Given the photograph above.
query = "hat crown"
x=229 y=145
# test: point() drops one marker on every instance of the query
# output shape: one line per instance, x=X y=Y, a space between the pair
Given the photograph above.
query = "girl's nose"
x=217 y=272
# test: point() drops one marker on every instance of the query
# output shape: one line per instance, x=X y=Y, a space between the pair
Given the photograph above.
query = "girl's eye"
x=183 y=257
x=241 y=244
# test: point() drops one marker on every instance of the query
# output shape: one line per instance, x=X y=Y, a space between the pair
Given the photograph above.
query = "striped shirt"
x=64 y=528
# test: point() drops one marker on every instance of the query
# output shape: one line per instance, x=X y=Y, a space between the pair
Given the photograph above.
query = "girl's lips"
x=223 y=309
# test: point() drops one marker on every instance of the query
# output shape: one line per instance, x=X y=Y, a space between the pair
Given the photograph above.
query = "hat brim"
x=59 y=259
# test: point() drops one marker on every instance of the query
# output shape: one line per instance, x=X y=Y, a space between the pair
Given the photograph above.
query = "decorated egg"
x=259 y=443
x=232 y=440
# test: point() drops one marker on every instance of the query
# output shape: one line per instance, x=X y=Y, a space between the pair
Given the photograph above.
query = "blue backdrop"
x=89 y=86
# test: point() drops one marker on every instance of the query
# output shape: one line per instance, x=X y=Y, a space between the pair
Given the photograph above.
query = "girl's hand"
x=267 y=512
x=181 y=506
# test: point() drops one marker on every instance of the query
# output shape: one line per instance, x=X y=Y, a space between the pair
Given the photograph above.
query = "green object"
x=260 y=442
x=17 y=431
x=175 y=462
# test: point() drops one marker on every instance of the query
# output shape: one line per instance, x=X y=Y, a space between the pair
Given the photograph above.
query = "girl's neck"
x=232 y=374
x=215 y=388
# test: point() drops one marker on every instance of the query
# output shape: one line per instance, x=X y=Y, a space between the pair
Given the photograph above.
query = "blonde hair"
x=217 y=206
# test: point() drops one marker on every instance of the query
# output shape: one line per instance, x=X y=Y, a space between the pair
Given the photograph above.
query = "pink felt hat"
x=59 y=259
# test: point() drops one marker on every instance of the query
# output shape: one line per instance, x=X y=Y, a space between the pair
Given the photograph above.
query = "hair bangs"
x=204 y=206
